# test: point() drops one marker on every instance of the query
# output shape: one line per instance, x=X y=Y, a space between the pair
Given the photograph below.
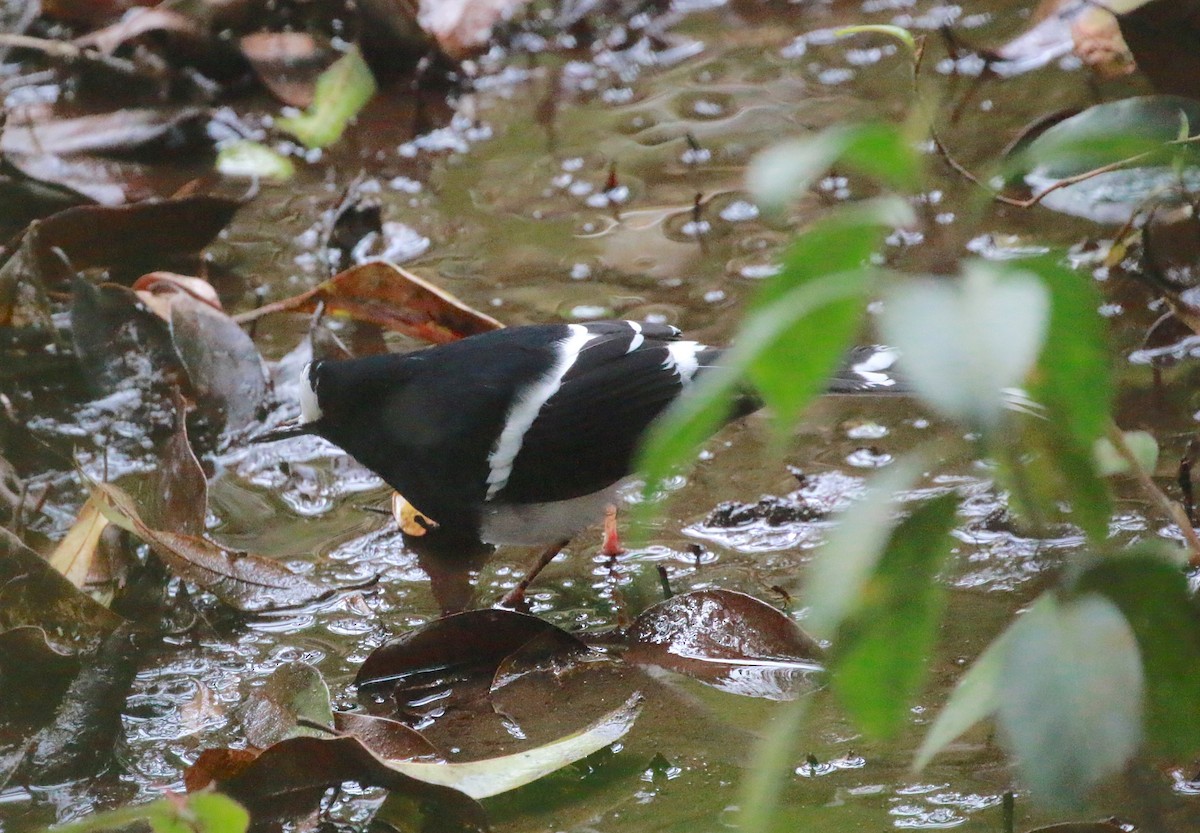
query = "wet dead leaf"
x=729 y=640
x=100 y=235
x=118 y=342
x=287 y=63
x=156 y=289
x=463 y=645
x=394 y=298
x=84 y=178
x=218 y=765
x=181 y=481
x=288 y=780
x=35 y=676
x=294 y=691
x=123 y=131
x=74 y=553
x=389 y=739
x=32 y=593
x=243 y=581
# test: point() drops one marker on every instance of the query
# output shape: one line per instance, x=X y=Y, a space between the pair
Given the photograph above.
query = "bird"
x=521 y=435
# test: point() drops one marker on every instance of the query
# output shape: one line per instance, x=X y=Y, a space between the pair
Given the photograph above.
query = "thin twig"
x=66 y=51
x=1172 y=510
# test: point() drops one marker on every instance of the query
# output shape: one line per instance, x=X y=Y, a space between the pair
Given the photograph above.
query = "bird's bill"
x=284 y=432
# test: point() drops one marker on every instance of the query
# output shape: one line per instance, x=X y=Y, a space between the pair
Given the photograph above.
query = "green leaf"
x=1151 y=590
x=879 y=656
x=898 y=32
x=1109 y=462
x=1071 y=704
x=780 y=174
x=1105 y=134
x=975 y=698
x=1072 y=375
x=763 y=786
x=840 y=572
x=674 y=437
x=254 y=160
x=966 y=343
x=341 y=92
x=204 y=812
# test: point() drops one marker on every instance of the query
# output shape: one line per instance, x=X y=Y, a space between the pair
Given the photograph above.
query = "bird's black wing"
x=586 y=434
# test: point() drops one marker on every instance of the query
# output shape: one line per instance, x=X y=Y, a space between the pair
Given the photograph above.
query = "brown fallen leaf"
x=729 y=640
x=463 y=27
x=1164 y=37
x=74 y=553
x=287 y=63
x=182 y=484
x=385 y=294
x=121 y=131
x=246 y=582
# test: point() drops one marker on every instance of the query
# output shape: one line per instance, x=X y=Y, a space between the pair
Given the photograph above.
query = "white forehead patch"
x=310 y=408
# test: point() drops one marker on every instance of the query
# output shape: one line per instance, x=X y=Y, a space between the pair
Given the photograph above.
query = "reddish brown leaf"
x=181 y=480
x=218 y=765
x=243 y=581
x=287 y=63
x=729 y=640
x=288 y=780
x=473 y=644
x=384 y=294
x=389 y=739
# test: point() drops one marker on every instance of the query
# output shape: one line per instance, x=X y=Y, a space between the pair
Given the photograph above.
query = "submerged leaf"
x=293 y=692
x=342 y=91
x=729 y=640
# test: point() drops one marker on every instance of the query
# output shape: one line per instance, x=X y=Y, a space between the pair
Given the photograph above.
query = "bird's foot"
x=611 y=543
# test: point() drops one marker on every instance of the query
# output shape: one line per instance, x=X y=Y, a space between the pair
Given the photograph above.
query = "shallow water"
x=512 y=215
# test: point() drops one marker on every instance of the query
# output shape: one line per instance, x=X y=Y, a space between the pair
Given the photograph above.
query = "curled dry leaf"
x=729 y=640
x=156 y=289
x=243 y=581
x=394 y=298
x=74 y=554
x=182 y=484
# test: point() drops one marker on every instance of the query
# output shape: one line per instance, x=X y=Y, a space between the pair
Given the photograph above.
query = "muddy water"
x=500 y=196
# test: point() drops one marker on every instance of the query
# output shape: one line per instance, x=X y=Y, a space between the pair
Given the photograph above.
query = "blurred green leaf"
x=1072 y=375
x=975 y=698
x=1109 y=462
x=342 y=91
x=203 y=812
x=771 y=770
x=781 y=173
x=880 y=652
x=1071 y=697
x=838 y=575
x=1105 y=134
x=675 y=436
x=967 y=342
x=1151 y=590
x=254 y=160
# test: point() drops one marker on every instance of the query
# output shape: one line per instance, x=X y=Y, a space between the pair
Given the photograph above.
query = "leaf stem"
x=1172 y=510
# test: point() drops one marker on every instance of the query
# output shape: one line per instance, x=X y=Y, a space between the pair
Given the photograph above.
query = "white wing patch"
x=681 y=358
x=310 y=408
x=638 y=338
x=873 y=368
x=525 y=409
